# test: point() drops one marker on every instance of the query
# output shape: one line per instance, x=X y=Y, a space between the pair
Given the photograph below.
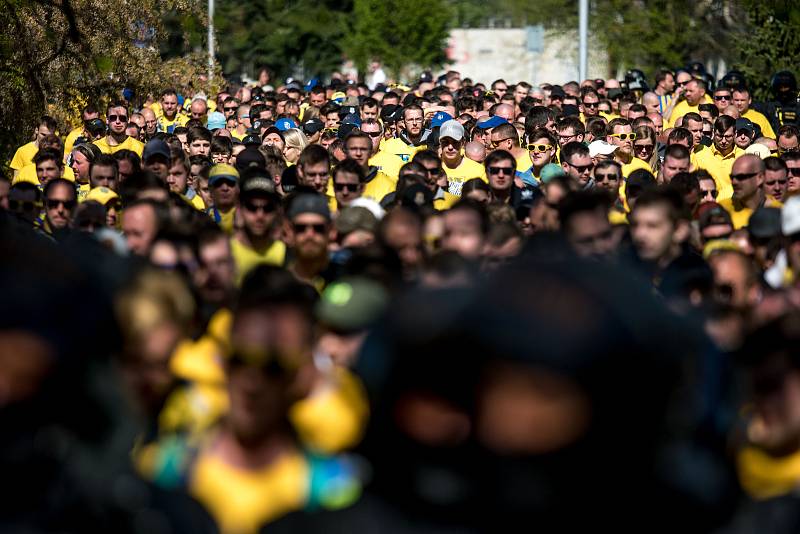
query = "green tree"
x=400 y=34
x=286 y=36
x=59 y=56
x=768 y=43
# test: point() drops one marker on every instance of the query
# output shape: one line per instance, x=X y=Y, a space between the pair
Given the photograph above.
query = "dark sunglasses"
x=350 y=188
x=581 y=168
x=373 y=134
x=501 y=170
x=722 y=97
x=795 y=171
x=301 y=228
x=254 y=208
x=591 y=104
x=234 y=108
x=436 y=171
x=55 y=203
x=712 y=192
x=117 y=118
x=745 y=176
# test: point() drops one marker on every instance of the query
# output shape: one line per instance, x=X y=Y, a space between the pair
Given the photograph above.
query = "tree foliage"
x=399 y=33
x=287 y=36
x=57 y=56
x=769 y=43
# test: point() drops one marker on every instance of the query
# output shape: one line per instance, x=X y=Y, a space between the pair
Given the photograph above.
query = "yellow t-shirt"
x=763 y=476
x=380 y=186
x=466 y=170
x=69 y=142
x=224 y=220
x=168 y=126
x=387 y=163
x=247 y=258
x=758 y=118
x=236 y=135
x=28 y=174
x=241 y=501
x=719 y=167
x=524 y=162
x=400 y=149
x=128 y=144
x=627 y=169
x=682 y=108
x=741 y=217
x=24 y=156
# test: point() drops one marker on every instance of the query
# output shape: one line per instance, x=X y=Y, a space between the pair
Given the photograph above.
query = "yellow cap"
x=101 y=195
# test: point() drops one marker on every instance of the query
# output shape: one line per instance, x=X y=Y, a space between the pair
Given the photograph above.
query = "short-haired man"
x=140 y=226
x=156 y=157
x=386 y=162
x=583 y=217
x=577 y=164
x=501 y=171
x=150 y=124
x=506 y=137
x=695 y=94
x=411 y=134
x=348 y=182
x=308 y=232
x=747 y=178
x=60 y=200
x=103 y=172
x=660 y=229
x=719 y=157
x=88 y=114
x=24 y=154
x=223 y=181
x=745 y=133
x=620 y=134
x=171 y=115
x=314 y=168
x=677 y=159
x=25 y=202
x=255 y=243
x=116 y=138
x=199 y=141
x=788 y=138
x=49 y=164
x=694 y=123
x=458 y=168
x=178 y=181
x=665 y=84
x=466 y=227
x=198 y=110
x=792 y=160
x=776 y=178
x=358 y=146
x=742 y=100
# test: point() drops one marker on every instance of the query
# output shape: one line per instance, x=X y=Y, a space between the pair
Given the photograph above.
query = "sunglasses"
x=23 y=205
x=745 y=176
x=350 y=188
x=722 y=97
x=116 y=206
x=795 y=172
x=373 y=134
x=224 y=181
x=234 y=108
x=501 y=170
x=301 y=228
x=540 y=148
x=495 y=144
x=591 y=104
x=603 y=177
x=641 y=146
x=581 y=168
x=55 y=203
x=117 y=118
x=436 y=171
x=712 y=192
x=255 y=208
x=625 y=136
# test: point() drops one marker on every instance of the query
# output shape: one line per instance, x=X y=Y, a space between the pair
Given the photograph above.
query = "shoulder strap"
x=333 y=484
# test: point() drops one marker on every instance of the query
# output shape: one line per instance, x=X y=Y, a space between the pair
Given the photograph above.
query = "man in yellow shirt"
x=742 y=100
x=386 y=162
x=243 y=122
x=171 y=115
x=411 y=134
x=88 y=114
x=255 y=243
x=223 y=180
x=621 y=135
x=178 y=182
x=695 y=94
x=747 y=179
x=719 y=157
x=458 y=168
x=117 y=139
x=24 y=154
x=358 y=146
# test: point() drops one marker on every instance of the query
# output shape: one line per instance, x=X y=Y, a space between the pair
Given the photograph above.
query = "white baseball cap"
x=601 y=148
x=452 y=129
x=790 y=216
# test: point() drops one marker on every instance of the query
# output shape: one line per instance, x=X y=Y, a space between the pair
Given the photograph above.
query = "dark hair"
x=198 y=133
x=130 y=156
x=45 y=154
x=576 y=202
x=478 y=208
x=597 y=127
x=676 y=151
x=428 y=156
x=48 y=121
x=710 y=108
x=680 y=134
x=474 y=184
x=313 y=155
x=105 y=160
x=540 y=133
x=538 y=117
x=572 y=149
x=685 y=183
x=59 y=181
x=723 y=123
x=349 y=165
x=666 y=196
x=221 y=145
x=499 y=155
x=773 y=163
x=571 y=122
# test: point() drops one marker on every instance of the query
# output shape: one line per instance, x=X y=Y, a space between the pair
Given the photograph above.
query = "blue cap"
x=312 y=83
x=216 y=120
x=440 y=118
x=180 y=100
x=156 y=147
x=491 y=122
x=127 y=94
x=352 y=118
x=284 y=124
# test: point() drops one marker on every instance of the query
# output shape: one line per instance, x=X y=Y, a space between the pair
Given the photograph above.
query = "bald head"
x=612 y=84
x=505 y=111
x=748 y=163
x=475 y=151
x=651 y=101
x=731 y=111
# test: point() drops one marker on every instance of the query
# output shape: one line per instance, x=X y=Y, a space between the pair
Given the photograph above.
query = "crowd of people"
x=441 y=307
